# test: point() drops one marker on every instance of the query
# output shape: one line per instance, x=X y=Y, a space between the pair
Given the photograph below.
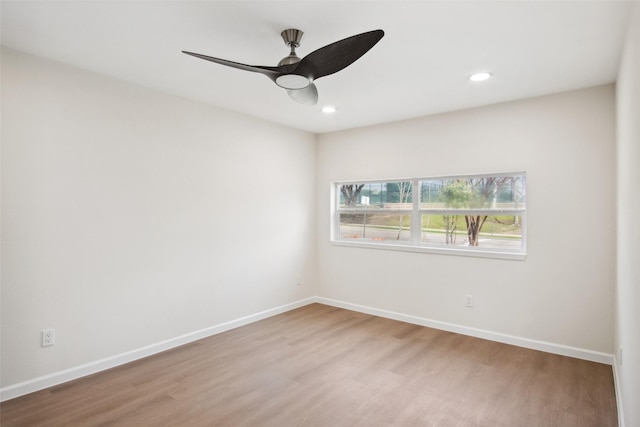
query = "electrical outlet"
x=468 y=301
x=48 y=337
x=298 y=281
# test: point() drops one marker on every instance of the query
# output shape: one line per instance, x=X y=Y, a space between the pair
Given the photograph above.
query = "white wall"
x=563 y=293
x=130 y=217
x=628 y=268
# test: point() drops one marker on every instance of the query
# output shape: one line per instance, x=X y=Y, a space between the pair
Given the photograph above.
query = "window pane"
x=492 y=232
x=376 y=227
x=431 y=194
x=491 y=192
x=380 y=195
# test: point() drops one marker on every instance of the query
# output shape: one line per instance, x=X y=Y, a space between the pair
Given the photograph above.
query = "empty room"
x=424 y=215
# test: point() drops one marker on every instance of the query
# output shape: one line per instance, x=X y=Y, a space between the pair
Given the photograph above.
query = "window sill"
x=408 y=247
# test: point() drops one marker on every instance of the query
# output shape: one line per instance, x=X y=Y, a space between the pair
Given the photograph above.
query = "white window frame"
x=415 y=243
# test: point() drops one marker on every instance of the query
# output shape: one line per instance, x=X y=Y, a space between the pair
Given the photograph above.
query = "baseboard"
x=548 y=347
x=60 y=377
x=616 y=384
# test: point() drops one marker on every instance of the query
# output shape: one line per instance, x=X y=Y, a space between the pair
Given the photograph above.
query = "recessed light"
x=329 y=109
x=479 y=77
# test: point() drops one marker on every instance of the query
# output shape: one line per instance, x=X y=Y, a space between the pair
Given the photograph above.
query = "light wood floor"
x=324 y=366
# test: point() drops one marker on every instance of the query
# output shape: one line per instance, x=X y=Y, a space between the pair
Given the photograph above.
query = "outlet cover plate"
x=48 y=337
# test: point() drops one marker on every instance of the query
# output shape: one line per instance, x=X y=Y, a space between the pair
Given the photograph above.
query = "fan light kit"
x=292 y=81
x=297 y=75
x=480 y=77
x=329 y=109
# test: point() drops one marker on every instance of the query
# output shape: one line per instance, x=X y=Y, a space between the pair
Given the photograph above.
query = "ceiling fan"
x=297 y=75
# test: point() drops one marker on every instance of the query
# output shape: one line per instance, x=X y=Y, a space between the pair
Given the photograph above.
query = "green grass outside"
x=502 y=226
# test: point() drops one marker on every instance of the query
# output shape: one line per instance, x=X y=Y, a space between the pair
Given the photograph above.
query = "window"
x=482 y=215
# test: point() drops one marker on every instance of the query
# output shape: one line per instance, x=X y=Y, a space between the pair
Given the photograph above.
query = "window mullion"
x=416 y=222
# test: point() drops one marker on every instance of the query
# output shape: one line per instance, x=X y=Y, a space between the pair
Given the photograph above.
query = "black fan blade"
x=271 y=72
x=337 y=56
x=307 y=96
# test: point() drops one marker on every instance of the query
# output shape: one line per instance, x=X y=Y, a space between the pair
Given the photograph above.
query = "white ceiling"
x=419 y=68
